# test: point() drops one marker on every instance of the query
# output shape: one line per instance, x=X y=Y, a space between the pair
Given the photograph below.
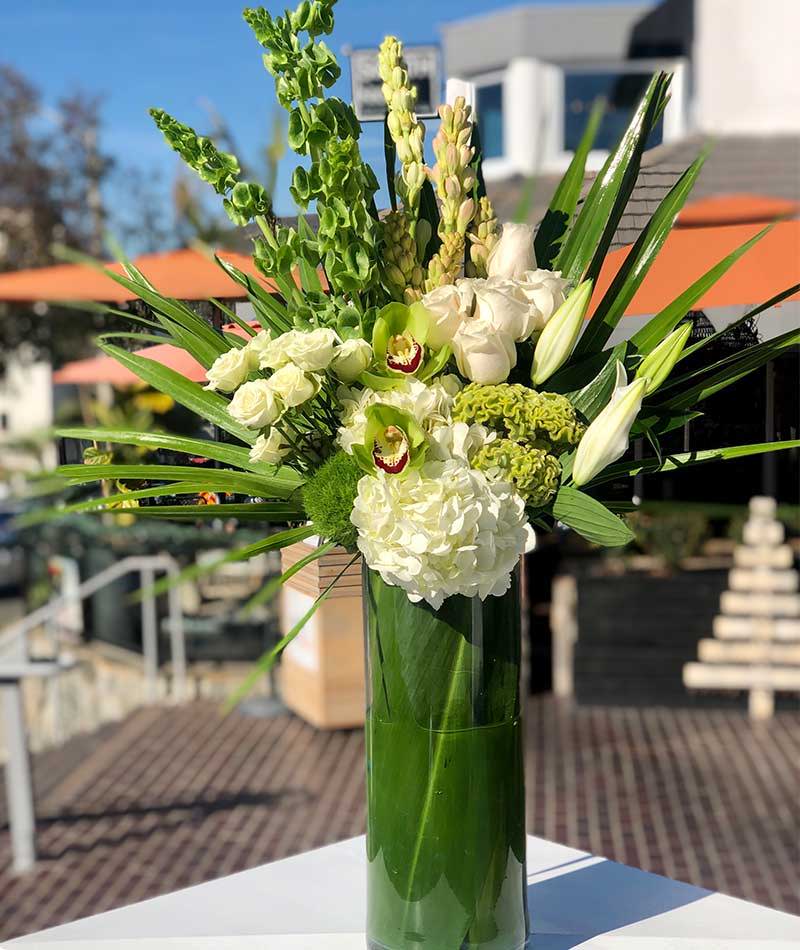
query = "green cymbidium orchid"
x=393 y=441
x=399 y=344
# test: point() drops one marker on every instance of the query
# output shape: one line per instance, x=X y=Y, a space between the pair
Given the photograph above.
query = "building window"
x=490 y=119
x=622 y=92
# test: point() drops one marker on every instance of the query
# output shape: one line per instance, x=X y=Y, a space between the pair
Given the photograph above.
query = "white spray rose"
x=312 y=350
x=501 y=302
x=267 y=352
x=351 y=359
x=254 y=405
x=441 y=530
x=293 y=386
x=230 y=369
x=271 y=448
x=483 y=353
x=545 y=291
x=513 y=254
x=447 y=310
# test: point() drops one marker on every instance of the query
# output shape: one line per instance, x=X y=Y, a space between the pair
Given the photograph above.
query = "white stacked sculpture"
x=757 y=645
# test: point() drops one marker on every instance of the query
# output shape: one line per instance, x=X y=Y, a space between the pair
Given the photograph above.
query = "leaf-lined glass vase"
x=445 y=781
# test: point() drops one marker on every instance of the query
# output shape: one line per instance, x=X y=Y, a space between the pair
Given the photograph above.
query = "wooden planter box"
x=322 y=670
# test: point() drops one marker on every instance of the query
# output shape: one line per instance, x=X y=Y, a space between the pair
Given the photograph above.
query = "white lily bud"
x=658 y=364
x=557 y=341
x=607 y=438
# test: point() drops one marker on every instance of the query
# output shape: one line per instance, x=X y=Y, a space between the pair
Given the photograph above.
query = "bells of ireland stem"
x=557 y=340
x=658 y=364
x=607 y=438
x=393 y=441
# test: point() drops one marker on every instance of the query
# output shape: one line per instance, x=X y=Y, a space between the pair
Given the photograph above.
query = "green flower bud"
x=658 y=364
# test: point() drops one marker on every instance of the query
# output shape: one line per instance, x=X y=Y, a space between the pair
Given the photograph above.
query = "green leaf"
x=565 y=200
x=233 y=317
x=265 y=511
x=664 y=322
x=595 y=395
x=681 y=460
x=204 y=448
x=586 y=245
x=267 y=661
x=268 y=591
x=729 y=370
x=638 y=262
x=590 y=518
x=207 y=404
x=390 y=158
x=273 y=313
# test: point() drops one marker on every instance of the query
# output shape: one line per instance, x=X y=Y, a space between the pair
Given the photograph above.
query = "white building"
x=26 y=413
x=734 y=66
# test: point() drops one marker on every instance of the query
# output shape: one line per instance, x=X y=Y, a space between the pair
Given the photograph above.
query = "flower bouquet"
x=423 y=387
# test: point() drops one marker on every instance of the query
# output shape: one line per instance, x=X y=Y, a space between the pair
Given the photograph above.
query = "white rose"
x=312 y=350
x=254 y=405
x=230 y=369
x=351 y=359
x=502 y=303
x=292 y=385
x=484 y=354
x=271 y=448
x=545 y=292
x=267 y=352
x=447 y=312
x=513 y=254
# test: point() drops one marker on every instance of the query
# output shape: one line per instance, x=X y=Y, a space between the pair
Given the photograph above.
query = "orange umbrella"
x=184 y=274
x=772 y=265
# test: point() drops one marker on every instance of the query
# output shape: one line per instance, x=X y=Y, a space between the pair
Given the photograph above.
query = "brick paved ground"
x=172 y=797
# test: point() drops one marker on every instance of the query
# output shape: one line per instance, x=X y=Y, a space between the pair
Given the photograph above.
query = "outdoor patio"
x=175 y=796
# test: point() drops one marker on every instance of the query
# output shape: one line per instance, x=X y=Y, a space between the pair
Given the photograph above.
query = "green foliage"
x=590 y=518
x=328 y=498
x=671 y=535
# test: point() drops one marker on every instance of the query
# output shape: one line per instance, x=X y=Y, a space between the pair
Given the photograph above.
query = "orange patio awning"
x=769 y=267
x=185 y=274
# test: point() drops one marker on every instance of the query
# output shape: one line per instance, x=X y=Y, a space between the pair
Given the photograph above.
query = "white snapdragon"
x=230 y=369
x=254 y=405
x=441 y=530
x=351 y=359
x=271 y=448
x=292 y=385
x=429 y=404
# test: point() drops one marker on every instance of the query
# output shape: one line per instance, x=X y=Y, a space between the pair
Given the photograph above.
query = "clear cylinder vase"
x=445 y=780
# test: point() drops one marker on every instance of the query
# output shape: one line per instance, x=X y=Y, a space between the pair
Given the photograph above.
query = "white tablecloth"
x=316 y=901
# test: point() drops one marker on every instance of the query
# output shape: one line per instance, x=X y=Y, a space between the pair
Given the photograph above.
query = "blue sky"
x=176 y=54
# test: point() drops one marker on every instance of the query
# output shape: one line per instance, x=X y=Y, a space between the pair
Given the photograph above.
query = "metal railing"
x=16 y=665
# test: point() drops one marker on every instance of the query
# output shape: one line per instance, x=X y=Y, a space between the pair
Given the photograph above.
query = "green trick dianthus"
x=329 y=496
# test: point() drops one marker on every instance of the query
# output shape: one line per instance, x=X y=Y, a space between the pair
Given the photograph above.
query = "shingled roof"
x=768 y=166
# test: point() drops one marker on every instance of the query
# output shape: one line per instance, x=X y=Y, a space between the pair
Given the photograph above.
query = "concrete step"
x=733 y=676
x=756 y=628
x=763 y=556
x=734 y=602
x=731 y=651
x=763 y=579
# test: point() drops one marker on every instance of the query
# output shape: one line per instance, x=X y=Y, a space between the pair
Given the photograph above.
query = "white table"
x=316 y=901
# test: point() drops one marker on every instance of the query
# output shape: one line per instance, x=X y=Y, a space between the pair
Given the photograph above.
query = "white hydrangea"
x=430 y=404
x=441 y=530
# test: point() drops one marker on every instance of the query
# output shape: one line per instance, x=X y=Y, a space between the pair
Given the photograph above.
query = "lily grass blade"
x=586 y=244
x=233 y=316
x=654 y=331
x=559 y=215
x=267 y=661
x=272 y=312
x=773 y=301
x=209 y=405
x=273 y=543
x=263 y=511
x=638 y=262
x=270 y=589
x=675 y=461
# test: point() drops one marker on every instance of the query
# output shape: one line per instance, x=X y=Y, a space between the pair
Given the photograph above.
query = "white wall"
x=26 y=402
x=746 y=66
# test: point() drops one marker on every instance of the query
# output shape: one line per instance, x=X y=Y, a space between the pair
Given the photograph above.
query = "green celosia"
x=328 y=499
x=533 y=472
x=522 y=414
